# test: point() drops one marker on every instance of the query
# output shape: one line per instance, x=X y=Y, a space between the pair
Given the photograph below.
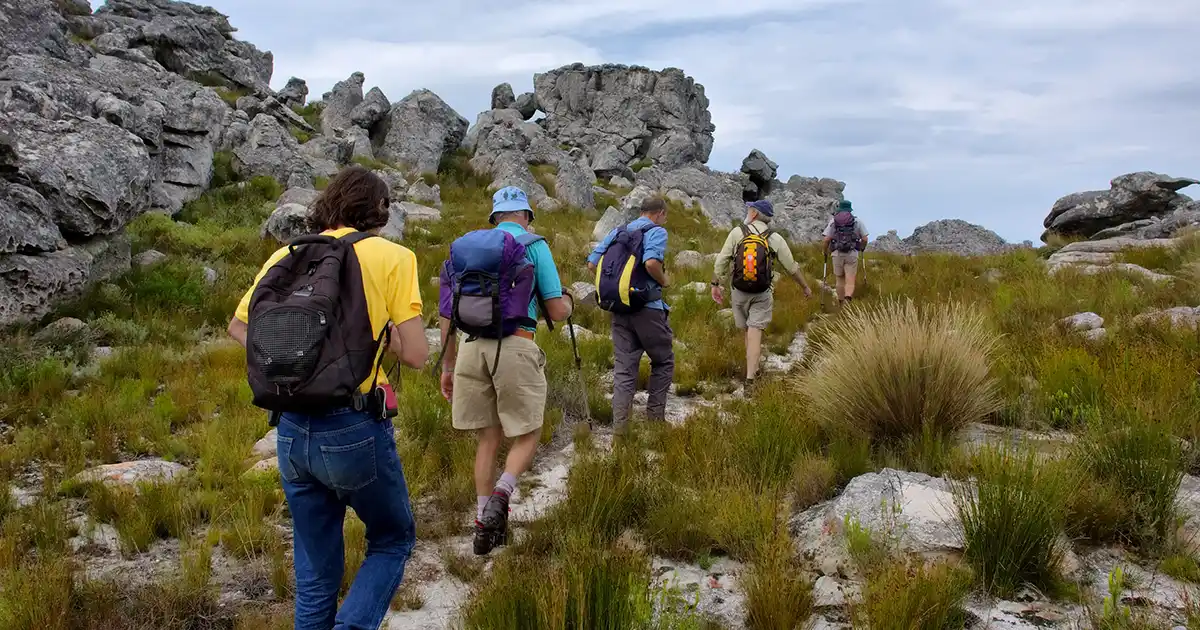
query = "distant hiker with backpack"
x=315 y=324
x=844 y=237
x=630 y=280
x=752 y=249
x=493 y=286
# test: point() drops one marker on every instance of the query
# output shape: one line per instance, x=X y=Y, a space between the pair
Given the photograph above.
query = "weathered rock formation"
x=950 y=236
x=762 y=172
x=1131 y=200
x=504 y=146
x=1098 y=256
x=419 y=131
x=620 y=114
x=340 y=103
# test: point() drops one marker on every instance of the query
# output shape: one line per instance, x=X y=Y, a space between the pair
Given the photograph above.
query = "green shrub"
x=907 y=596
x=311 y=113
x=892 y=370
x=814 y=479
x=1181 y=567
x=223 y=171
x=778 y=595
x=1143 y=464
x=1012 y=517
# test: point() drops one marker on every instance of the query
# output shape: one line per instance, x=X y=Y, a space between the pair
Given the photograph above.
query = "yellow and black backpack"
x=753 y=261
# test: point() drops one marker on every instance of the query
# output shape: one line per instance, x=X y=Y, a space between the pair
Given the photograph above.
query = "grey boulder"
x=502 y=96
x=762 y=172
x=804 y=204
x=419 y=132
x=270 y=150
x=26 y=222
x=288 y=221
x=372 y=110
x=1130 y=197
x=295 y=93
x=955 y=236
x=527 y=105
x=34 y=284
x=340 y=103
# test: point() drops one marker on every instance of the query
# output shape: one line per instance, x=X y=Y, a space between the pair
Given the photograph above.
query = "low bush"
x=896 y=370
x=1012 y=516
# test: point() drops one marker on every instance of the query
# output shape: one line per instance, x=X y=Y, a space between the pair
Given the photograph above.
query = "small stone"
x=584 y=295
x=689 y=259
x=620 y=182
x=266 y=466
x=829 y=566
x=549 y=204
x=416 y=212
x=61 y=331
x=101 y=353
x=726 y=316
x=210 y=276
x=149 y=258
x=433 y=337
x=1095 y=334
x=422 y=193
x=265 y=447
x=697 y=287
x=581 y=333
x=130 y=473
x=1082 y=321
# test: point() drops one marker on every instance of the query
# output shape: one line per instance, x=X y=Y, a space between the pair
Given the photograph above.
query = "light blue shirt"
x=545 y=273
x=654 y=247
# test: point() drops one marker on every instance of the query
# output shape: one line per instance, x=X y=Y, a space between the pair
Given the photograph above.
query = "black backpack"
x=753 y=261
x=309 y=344
x=622 y=283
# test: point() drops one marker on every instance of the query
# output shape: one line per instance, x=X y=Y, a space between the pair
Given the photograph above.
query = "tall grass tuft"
x=891 y=371
x=1012 y=516
x=778 y=595
x=916 y=597
x=1142 y=464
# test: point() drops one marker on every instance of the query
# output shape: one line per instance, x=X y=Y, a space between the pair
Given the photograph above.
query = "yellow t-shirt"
x=389 y=273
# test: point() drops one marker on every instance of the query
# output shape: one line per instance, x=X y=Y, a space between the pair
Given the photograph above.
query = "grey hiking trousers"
x=645 y=331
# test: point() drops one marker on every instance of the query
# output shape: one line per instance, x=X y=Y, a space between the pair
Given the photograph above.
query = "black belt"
x=372 y=404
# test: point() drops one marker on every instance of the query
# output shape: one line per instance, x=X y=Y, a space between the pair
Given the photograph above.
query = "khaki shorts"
x=753 y=310
x=844 y=263
x=514 y=399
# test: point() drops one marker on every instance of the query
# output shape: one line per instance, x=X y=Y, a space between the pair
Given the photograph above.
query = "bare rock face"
x=803 y=205
x=270 y=150
x=32 y=26
x=419 y=131
x=193 y=41
x=31 y=285
x=762 y=172
x=620 y=114
x=955 y=236
x=295 y=93
x=372 y=110
x=502 y=96
x=1130 y=198
x=505 y=146
x=340 y=103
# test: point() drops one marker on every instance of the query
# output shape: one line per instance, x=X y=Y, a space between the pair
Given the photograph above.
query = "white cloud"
x=928 y=109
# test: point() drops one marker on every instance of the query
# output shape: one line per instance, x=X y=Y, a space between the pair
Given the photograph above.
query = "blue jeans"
x=328 y=462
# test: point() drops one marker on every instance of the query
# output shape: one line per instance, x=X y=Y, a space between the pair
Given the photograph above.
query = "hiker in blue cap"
x=630 y=279
x=753 y=248
x=844 y=237
x=499 y=398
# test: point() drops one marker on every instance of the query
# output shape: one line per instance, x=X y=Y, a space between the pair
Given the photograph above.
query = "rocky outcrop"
x=290 y=218
x=372 y=110
x=1166 y=226
x=295 y=93
x=34 y=27
x=33 y=284
x=1130 y=198
x=1098 y=256
x=270 y=150
x=621 y=114
x=504 y=146
x=1177 y=317
x=761 y=171
x=340 y=103
x=502 y=96
x=720 y=194
x=804 y=204
x=193 y=41
x=526 y=105
x=419 y=131
x=955 y=236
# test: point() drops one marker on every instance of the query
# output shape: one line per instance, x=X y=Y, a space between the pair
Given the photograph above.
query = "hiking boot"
x=491 y=530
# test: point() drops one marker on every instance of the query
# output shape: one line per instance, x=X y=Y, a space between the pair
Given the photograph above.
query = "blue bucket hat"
x=844 y=205
x=509 y=199
x=763 y=206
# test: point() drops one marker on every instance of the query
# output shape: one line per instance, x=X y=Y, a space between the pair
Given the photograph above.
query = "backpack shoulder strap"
x=529 y=238
x=355 y=237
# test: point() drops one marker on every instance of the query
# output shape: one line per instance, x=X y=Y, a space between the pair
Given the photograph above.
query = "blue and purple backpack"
x=487 y=284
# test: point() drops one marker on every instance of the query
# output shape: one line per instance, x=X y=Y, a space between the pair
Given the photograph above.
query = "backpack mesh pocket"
x=287 y=344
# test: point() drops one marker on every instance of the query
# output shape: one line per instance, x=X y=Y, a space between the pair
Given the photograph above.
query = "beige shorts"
x=514 y=399
x=844 y=263
x=753 y=310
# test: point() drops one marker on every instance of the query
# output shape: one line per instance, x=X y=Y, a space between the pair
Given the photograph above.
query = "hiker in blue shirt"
x=645 y=330
x=503 y=398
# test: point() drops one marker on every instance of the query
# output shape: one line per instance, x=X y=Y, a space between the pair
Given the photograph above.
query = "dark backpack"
x=622 y=283
x=753 y=262
x=845 y=236
x=309 y=342
x=487 y=284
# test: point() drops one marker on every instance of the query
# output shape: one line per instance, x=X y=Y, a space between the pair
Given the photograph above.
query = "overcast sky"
x=982 y=110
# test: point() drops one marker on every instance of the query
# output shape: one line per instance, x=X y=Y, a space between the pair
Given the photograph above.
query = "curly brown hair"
x=356 y=198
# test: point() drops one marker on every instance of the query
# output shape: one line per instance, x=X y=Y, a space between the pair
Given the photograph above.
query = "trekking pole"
x=824 y=276
x=587 y=412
